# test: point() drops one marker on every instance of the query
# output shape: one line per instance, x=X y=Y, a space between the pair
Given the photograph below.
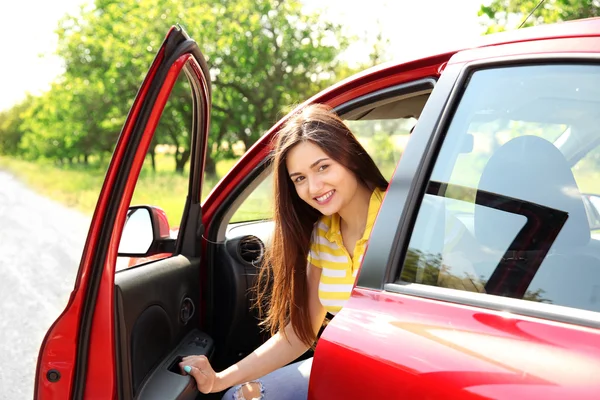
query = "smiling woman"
x=327 y=194
x=324 y=184
x=320 y=172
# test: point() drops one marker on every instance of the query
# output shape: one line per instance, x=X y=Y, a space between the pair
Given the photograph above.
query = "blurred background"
x=75 y=67
x=71 y=69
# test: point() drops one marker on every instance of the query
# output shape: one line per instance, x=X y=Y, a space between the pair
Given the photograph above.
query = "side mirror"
x=146 y=233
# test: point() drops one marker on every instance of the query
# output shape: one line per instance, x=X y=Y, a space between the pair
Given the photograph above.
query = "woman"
x=327 y=194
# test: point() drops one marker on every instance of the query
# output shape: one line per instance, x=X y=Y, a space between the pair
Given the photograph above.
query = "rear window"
x=510 y=209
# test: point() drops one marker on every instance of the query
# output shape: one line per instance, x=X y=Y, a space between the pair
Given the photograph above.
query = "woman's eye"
x=299 y=179
x=323 y=167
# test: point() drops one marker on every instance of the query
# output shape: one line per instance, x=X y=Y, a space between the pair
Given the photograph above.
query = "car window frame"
x=263 y=170
x=408 y=186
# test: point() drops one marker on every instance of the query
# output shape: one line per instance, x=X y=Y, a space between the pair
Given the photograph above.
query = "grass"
x=74 y=187
x=257 y=206
x=78 y=186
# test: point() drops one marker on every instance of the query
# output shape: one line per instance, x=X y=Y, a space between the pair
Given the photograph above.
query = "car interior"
x=159 y=303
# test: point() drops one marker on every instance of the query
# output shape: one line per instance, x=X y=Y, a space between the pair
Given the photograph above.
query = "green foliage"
x=10 y=128
x=508 y=14
x=384 y=140
x=385 y=152
x=421 y=267
x=264 y=56
x=78 y=186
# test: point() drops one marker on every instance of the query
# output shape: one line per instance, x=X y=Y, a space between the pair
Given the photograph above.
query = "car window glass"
x=384 y=140
x=163 y=180
x=503 y=212
x=258 y=205
x=587 y=183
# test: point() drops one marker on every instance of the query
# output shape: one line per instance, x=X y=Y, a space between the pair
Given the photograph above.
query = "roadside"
x=78 y=186
x=40 y=248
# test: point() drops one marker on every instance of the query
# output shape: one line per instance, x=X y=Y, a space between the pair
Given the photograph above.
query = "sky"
x=28 y=41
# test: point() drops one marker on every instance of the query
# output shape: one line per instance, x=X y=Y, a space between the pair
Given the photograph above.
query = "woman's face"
x=322 y=182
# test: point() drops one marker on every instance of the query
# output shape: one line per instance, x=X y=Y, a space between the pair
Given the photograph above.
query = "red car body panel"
x=398 y=346
x=363 y=353
x=59 y=347
x=101 y=383
x=540 y=47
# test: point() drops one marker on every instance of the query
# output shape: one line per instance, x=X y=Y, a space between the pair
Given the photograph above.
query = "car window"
x=593 y=211
x=503 y=212
x=163 y=179
x=258 y=205
x=588 y=181
x=384 y=140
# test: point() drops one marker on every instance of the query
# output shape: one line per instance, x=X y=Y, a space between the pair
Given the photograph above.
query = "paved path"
x=40 y=248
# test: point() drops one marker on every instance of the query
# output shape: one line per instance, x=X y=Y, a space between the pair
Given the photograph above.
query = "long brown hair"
x=283 y=289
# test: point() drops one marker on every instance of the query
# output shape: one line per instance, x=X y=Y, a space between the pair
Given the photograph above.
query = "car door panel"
x=77 y=358
x=421 y=348
x=166 y=380
x=151 y=301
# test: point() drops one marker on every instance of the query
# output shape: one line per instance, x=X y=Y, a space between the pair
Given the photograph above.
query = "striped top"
x=327 y=252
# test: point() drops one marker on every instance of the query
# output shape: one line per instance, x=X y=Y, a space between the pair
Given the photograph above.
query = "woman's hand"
x=199 y=367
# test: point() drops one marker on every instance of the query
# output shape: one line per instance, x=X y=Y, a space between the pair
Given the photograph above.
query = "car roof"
x=430 y=56
x=577 y=28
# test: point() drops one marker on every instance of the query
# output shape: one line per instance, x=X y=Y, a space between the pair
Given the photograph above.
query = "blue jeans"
x=287 y=383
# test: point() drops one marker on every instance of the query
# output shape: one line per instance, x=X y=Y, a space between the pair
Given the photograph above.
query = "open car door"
x=120 y=336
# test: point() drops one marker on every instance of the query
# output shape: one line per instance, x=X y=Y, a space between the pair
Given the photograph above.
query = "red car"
x=482 y=276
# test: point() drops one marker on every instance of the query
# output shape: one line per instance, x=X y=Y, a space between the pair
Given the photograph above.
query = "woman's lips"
x=325 y=198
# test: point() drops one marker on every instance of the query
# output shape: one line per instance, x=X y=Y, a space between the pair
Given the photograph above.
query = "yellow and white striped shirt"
x=327 y=252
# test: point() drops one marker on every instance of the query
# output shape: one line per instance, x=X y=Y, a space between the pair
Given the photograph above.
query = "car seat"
x=531 y=169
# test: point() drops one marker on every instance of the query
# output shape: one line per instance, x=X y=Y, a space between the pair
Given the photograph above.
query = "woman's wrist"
x=220 y=382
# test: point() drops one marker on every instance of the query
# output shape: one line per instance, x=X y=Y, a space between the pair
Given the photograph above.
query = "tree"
x=508 y=14
x=380 y=52
x=264 y=55
x=10 y=127
x=61 y=123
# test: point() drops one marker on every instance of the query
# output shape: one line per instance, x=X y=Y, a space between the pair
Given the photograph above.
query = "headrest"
x=530 y=168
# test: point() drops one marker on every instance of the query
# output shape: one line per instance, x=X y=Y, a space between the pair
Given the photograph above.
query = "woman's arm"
x=273 y=354
x=277 y=351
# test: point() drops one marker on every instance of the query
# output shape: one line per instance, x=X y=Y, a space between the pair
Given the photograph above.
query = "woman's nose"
x=315 y=186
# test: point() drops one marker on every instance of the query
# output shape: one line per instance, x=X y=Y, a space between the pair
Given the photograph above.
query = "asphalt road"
x=40 y=248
